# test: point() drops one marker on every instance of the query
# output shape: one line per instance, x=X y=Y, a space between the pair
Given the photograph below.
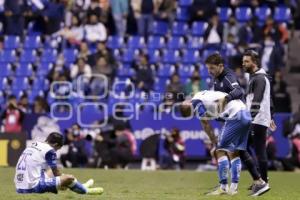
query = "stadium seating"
x=12 y=42
x=224 y=13
x=262 y=13
x=282 y=14
x=243 y=14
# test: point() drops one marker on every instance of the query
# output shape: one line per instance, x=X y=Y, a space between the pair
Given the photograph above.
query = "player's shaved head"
x=55 y=139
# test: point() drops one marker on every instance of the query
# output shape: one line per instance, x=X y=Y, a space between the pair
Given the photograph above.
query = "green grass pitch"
x=158 y=185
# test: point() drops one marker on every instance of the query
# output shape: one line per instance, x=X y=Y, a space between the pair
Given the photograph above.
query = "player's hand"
x=273 y=126
x=213 y=151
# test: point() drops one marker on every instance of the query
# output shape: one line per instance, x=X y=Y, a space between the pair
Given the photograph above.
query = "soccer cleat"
x=89 y=183
x=260 y=189
x=232 y=191
x=218 y=191
x=95 y=191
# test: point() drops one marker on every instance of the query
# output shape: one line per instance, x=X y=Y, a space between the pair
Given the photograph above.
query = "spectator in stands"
x=214 y=31
x=84 y=51
x=81 y=68
x=102 y=51
x=40 y=105
x=231 y=28
x=195 y=85
x=104 y=68
x=272 y=55
x=100 y=84
x=175 y=89
x=144 y=77
x=12 y=116
x=120 y=10
x=143 y=12
x=23 y=104
x=14 y=19
x=95 y=30
x=282 y=99
x=231 y=52
x=278 y=32
x=73 y=34
x=202 y=10
x=53 y=16
x=250 y=32
x=166 y=11
x=175 y=150
x=94 y=9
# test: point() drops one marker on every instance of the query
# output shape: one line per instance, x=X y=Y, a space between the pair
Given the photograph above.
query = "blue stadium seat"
x=243 y=14
x=171 y=56
x=5 y=70
x=262 y=13
x=206 y=53
x=136 y=42
x=129 y=55
x=165 y=70
x=183 y=3
x=70 y=55
x=160 y=28
x=191 y=56
x=195 y=43
x=12 y=42
x=117 y=54
x=24 y=69
x=186 y=70
x=156 y=42
x=154 y=55
x=8 y=56
x=32 y=42
x=182 y=14
x=125 y=72
x=224 y=13
x=17 y=92
x=180 y=28
x=20 y=83
x=199 y=28
x=282 y=14
x=44 y=68
x=28 y=56
x=115 y=42
x=176 y=43
x=32 y=94
x=160 y=84
x=4 y=83
x=40 y=84
x=49 y=55
x=2 y=99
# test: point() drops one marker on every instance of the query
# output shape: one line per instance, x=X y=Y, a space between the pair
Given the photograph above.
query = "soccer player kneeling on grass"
x=31 y=171
x=232 y=139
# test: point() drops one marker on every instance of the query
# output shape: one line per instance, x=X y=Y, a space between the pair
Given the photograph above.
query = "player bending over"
x=31 y=176
x=232 y=138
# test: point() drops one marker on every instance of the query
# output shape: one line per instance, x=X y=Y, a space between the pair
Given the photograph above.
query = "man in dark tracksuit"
x=225 y=81
x=258 y=100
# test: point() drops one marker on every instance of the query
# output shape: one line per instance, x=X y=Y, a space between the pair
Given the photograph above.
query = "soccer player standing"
x=31 y=170
x=226 y=81
x=258 y=100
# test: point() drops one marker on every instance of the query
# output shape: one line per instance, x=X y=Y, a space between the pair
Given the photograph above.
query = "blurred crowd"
x=88 y=28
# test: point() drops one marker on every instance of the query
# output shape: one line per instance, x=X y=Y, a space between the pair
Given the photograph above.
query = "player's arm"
x=236 y=92
x=208 y=130
x=259 y=85
x=51 y=160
